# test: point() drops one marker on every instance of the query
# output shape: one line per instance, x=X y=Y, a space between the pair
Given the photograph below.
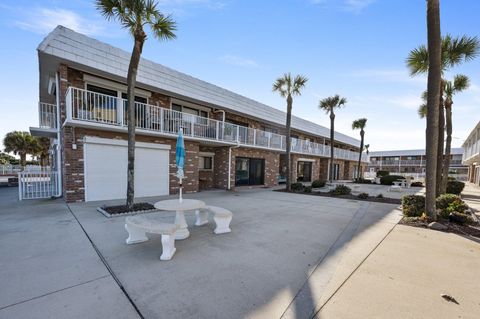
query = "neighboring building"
x=230 y=140
x=471 y=155
x=412 y=162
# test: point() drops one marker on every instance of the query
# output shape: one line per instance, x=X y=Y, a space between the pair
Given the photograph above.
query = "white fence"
x=39 y=184
x=14 y=169
x=105 y=109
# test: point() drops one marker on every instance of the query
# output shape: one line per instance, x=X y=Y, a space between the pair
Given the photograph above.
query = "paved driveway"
x=277 y=262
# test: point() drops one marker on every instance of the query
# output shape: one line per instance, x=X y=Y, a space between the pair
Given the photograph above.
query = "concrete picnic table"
x=180 y=208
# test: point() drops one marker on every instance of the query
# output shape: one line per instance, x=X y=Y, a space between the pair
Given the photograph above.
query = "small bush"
x=380 y=195
x=318 y=183
x=417 y=184
x=363 y=195
x=296 y=187
x=455 y=187
x=342 y=190
x=307 y=189
x=382 y=173
x=413 y=205
x=450 y=178
x=362 y=181
x=450 y=203
x=389 y=179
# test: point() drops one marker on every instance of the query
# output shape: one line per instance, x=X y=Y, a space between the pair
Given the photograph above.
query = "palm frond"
x=458 y=50
x=359 y=124
x=417 y=60
x=280 y=87
x=329 y=103
x=422 y=111
x=298 y=84
x=460 y=83
x=164 y=27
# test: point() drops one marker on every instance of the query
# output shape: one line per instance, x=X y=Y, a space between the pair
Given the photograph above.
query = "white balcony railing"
x=94 y=107
x=47 y=114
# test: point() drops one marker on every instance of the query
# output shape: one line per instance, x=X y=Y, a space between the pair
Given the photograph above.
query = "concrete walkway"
x=48 y=268
x=406 y=276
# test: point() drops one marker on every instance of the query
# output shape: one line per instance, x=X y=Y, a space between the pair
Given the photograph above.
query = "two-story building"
x=230 y=140
x=471 y=155
x=412 y=162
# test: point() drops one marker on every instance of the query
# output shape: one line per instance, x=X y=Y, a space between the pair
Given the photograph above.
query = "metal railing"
x=47 y=115
x=14 y=169
x=95 y=107
x=36 y=185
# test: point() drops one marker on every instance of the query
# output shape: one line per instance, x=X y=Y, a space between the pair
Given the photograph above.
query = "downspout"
x=223 y=114
x=229 y=179
x=59 y=144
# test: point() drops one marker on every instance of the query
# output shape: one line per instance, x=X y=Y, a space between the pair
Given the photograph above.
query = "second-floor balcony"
x=92 y=107
x=409 y=162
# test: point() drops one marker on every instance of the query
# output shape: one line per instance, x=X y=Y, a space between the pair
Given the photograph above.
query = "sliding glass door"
x=249 y=171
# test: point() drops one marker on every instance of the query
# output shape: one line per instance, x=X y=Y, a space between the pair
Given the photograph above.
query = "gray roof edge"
x=340 y=137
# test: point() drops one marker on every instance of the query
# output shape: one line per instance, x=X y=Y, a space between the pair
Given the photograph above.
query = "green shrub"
x=363 y=195
x=417 y=184
x=455 y=187
x=413 y=205
x=342 y=190
x=382 y=173
x=362 y=180
x=450 y=178
x=380 y=195
x=318 y=183
x=450 y=203
x=307 y=189
x=389 y=179
x=296 y=187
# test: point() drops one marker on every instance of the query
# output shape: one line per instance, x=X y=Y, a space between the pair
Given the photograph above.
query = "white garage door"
x=105 y=163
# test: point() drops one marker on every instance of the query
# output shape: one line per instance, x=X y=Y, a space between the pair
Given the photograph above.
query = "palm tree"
x=134 y=15
x=459 y=84
x=367 y=146
x=360 y=125
x=329 y=105
x=20 y=143
x=41 y=149
x=454 y=51
x=287 y=87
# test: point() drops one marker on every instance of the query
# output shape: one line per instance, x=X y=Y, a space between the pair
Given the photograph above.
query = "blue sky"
x=355 y=48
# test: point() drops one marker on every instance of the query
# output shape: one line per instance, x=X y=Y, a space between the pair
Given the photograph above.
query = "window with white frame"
x=205 y=161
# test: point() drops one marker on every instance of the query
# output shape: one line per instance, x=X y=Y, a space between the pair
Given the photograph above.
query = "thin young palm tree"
x=134 y=15
x=288 y=86
x=367 y=146
x=459 y=84
x=454 y=51
x=20 y=143
x=329 y=105
x=360 y=124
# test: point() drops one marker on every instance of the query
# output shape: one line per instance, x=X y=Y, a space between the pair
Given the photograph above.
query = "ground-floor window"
x=249 y=171
x=304 y=171
x=205 y=163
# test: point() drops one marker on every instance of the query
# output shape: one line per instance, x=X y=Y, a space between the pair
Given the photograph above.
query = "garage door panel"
x=106 y=171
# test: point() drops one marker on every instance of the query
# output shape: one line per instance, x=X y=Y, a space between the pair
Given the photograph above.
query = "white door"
x=105 y=163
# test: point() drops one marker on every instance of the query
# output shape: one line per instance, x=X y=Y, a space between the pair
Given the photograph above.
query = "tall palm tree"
x=459 y=84
x=41 y=149
x=329 y=105
x=454 y=51
x=433 y=101
x=20 y=143
x=288 y=86
x=134 y=15
x=360 y=124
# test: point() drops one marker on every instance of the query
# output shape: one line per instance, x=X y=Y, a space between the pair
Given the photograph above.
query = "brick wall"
x=315 y=166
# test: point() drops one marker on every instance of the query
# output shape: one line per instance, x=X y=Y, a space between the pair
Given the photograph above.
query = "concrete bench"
x=221 y=216
x=138 y=226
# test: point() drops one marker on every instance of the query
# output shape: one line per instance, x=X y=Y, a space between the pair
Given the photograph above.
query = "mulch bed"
x=123 y=210
x=385 y=200
x=466 y=229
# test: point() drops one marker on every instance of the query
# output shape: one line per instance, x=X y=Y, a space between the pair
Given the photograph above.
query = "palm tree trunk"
x=23 y=160
x=288 y=142
x=131 y=82
x=332 y=137
x=448 y=146
x=362 y=136
x=433 y=87
x=441 y=139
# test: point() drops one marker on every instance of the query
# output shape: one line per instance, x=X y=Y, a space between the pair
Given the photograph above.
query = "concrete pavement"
x=48 y=268
x=406 y=276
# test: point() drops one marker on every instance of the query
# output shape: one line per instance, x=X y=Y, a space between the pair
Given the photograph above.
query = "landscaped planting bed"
x=122 y=210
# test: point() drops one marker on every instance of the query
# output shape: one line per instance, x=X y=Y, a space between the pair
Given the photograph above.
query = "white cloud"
x=355 y=6
x=238 y=61
x=44 y=20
